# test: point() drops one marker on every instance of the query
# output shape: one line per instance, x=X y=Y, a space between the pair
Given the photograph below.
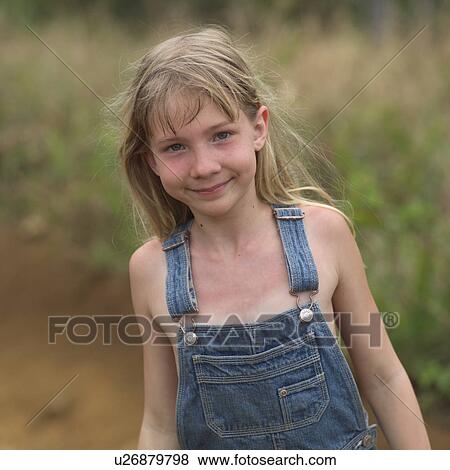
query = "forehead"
x=180 y=109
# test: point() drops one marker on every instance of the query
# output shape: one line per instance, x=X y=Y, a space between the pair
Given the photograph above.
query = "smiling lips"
x=212 y=188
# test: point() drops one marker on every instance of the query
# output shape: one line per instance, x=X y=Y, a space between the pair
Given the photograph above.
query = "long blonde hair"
x=207 y=62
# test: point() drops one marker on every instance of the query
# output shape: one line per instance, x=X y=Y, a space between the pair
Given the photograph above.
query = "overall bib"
x=280 y=383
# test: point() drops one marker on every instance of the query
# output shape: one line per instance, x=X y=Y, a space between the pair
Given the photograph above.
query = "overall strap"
x=180 y=292
x=302 y=271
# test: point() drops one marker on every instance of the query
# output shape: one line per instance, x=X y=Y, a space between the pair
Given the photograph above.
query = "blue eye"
x=173 y=145
x=223 y=132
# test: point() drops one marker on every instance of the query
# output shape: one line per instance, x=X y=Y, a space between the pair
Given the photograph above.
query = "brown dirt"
x=101 y=408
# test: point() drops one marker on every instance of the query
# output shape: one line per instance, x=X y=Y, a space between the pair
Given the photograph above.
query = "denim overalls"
x=279 y=383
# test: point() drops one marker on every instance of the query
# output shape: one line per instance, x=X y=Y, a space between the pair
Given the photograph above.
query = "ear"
x=261 y=127
x=152 y=162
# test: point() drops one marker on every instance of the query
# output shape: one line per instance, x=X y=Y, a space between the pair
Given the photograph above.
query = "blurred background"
x=66 y=220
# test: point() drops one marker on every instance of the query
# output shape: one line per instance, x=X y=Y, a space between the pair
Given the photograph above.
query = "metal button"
x=190 y=338
x=367 y=440
x=306 y=314
x=283 y=392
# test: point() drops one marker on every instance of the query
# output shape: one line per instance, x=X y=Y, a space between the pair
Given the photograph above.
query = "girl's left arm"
x=380 y=375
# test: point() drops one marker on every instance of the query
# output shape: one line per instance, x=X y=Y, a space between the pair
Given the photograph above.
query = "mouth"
x=212 y=188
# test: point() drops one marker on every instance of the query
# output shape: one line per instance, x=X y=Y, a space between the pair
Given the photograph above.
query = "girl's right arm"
x=158 y=428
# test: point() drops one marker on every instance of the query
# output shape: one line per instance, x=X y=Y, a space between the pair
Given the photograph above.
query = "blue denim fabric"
x=280 y=383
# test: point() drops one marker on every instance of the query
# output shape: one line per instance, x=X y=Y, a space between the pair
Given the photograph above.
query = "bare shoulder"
x=146 y=255
x=145 y=267
x=326 y=222
x=330 y=236
x=336 y=233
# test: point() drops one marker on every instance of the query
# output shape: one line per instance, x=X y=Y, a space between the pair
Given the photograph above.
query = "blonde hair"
x=207 y=62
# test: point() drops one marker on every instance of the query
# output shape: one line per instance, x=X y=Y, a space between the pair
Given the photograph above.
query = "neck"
x=230 y=235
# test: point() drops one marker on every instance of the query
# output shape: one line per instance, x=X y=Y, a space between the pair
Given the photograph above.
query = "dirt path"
x=102 y=406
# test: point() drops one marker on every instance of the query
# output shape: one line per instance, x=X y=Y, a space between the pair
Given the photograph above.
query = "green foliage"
x=397 y=182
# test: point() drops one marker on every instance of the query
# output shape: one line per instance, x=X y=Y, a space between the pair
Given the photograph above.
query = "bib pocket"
x=304 y=401
x=276 y=390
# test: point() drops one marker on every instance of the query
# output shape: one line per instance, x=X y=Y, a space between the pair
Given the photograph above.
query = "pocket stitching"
x=259 y=357
x=318 y=380
x=315 y=359
x=204 y=378
x=303 y=384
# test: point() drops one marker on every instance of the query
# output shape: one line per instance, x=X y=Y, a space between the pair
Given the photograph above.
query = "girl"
x=207 y=156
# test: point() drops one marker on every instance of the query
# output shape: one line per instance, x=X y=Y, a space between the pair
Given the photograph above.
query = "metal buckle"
x=190 y=337
x=306 y=314
x=275 y=213
x=313 y=293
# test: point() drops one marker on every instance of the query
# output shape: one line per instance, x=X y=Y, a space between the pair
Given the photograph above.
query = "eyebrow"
x=215 y=126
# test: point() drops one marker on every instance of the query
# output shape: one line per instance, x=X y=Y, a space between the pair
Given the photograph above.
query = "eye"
x=171 y=149
x=222 y=133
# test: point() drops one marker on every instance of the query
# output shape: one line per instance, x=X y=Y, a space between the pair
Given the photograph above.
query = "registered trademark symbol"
x=391 y=319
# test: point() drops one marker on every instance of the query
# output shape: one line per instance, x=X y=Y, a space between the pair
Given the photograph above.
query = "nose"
x=203 y=163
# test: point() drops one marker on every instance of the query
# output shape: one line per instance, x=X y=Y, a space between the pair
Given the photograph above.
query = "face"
x=210 y=163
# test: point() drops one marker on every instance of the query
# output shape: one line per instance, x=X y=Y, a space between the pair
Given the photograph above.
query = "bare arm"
x=379 y=372
x=158 y=428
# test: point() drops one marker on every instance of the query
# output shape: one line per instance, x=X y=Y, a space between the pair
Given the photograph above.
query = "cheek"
x=171 y=172
x=171 y=179
x=244 y=160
